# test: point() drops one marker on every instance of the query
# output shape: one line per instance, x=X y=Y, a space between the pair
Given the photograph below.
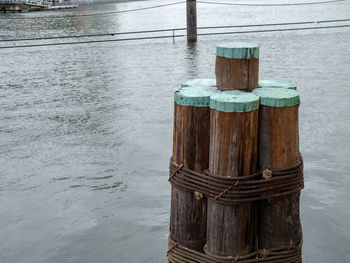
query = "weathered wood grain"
x=279 y=221
x=190 y=148
x=236 y=74
x=233 y=152
x=191 y=20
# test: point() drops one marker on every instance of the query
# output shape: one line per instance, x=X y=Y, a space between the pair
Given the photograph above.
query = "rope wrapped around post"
x=237 y=190
x=179 y=253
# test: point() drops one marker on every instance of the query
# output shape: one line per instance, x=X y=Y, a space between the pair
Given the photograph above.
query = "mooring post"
x=278 y=217
x=191 y=20
x=188 y=212
x=233 y=153
x=252 y=126
x=237 y=66
x=233 y=145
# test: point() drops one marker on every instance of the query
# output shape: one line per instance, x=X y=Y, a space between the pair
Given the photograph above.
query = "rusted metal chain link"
x=237 y=190
x=179 y=253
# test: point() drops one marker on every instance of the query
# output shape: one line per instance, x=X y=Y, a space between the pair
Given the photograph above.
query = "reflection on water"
x=86 y=130
x=192 y=63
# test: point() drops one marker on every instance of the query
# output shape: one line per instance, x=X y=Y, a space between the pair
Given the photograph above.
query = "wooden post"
x=237 y=66
x=233 y=152
x=188 y=215
x=191 y=20
x=277 y=84
x=279 y=222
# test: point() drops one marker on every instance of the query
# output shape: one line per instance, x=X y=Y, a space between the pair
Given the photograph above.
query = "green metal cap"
x=277 y=84
x=199 y=82
x=277 y=97
x=197 y=96
x=234 y=101
x=238 y=50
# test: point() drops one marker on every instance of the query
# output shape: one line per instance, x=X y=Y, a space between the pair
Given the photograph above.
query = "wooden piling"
x=278 y=218
x=237 y=66
x=277 y=84
x=191 y=20
x=191 y=149
x=233 y=152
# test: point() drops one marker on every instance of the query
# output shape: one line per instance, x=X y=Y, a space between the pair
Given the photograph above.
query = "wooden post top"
x=197 y=96
x=273 y=97
x=199 y=82
x=277 y=84
x=234 y=101
x=238 y=50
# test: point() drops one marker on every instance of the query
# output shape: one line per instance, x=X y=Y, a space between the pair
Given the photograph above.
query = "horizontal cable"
x=93 y=35
x=279 y=24
x=93 y=14
x=290 y=4
x=89 y=42
x=165 y=5
x=171 y=36
x=174 y=29
x=271 y=30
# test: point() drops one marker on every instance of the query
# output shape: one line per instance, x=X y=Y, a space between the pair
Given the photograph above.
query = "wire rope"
x=165 y=5
x=94 y=14
x=170 y=36
x=174 y=29
x=252 y=4
x=92 y=35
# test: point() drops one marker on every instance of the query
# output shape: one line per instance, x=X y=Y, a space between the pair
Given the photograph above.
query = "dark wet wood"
x=279 y=221
x=188 y=214
x=236 y=74
x=191 y=20
x=233 y=152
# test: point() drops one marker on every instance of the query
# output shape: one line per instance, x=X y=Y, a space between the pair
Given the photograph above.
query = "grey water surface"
x=86 y=130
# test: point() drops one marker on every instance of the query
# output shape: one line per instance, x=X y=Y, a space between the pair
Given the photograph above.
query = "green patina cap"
x=234 y=101
x=277 y=84
x=199 y=82
x=198 y=96
x=238 y=50
x=277 y=97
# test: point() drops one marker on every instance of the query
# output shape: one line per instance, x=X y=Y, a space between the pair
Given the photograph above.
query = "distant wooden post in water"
x=188 y=216
x=233 y=153
x=278 y=217
x=237 y=66
x=191 y=11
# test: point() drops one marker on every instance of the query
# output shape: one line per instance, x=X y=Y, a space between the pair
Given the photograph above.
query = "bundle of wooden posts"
x=236 y=170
